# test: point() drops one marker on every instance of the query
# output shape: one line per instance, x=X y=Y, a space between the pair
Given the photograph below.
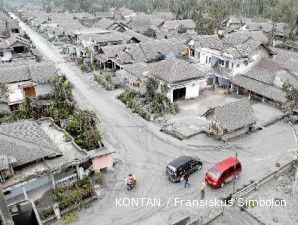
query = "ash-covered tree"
x=291 y=95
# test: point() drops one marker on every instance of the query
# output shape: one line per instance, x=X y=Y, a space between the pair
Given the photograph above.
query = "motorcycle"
x=131 y=183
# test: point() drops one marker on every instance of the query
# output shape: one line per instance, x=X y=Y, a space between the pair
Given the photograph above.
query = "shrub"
x=152 y=104
x=105 y=82
x=70 y=218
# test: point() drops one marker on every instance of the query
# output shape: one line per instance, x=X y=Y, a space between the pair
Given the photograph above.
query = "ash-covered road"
x=145 y=151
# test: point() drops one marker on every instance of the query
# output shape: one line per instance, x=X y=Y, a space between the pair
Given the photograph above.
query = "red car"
x=223 y=172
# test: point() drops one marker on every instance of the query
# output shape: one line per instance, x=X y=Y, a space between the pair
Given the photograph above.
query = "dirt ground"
x=189 y=121
x=277 y=189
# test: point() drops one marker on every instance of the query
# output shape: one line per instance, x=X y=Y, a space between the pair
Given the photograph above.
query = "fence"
x=255 y=185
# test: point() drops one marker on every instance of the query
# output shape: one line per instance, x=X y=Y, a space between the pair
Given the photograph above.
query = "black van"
x=177 y=168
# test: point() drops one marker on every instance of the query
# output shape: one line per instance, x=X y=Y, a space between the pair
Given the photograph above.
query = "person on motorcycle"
x=131 y=179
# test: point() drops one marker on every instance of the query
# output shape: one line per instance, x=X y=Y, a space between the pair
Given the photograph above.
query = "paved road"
x=145 y=151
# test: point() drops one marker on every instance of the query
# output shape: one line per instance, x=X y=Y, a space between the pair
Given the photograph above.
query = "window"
x=209 y=59
x=238 y=166
x=214 y=173
x=221 y=62
x=1 y=54
x=231 y=170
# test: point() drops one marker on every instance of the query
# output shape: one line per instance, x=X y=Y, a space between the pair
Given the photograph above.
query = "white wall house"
x=225 y=59
x=185 y=90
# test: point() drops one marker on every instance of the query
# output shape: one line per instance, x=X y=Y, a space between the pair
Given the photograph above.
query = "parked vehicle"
x=184 y=164
x=223 y=172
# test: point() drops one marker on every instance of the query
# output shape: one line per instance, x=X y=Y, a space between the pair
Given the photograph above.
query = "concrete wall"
x=192 y=90
x=18 y=190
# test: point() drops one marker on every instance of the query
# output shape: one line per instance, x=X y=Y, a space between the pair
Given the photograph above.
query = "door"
x=179 y=94
x=230 y=174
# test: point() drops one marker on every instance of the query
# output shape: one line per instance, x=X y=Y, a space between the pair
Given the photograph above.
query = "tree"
x=291 y=95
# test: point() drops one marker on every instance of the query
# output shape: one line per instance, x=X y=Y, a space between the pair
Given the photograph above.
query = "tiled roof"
x=144 y=52
x=269 y=91
x=235 y=115
x=175 y=24
x=104 y=23
x=27 y=142
x=40 y=72
x=266 y=70
x=136 y=69
x=142 y=22
x=104 y=37
x=138 y=36
x=244 y=49
x=287 y=59
x=174 y=70
x=241 y=37
x=207 y=41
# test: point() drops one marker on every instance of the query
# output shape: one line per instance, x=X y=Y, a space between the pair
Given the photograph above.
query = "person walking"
x=185 y=178
x=203 y=187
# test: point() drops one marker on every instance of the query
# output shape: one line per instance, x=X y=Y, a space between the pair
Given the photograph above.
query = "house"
x=133 y=75
x=266 y=27
x=287 y=60
x=35 y=157
x=144 y=23
x=23 y=80
x=180 y=26
x=101 y=15
x=154 y=50
x=232 y=23
x=135 y=37
x=257 y=35
x=84 y=18
x=182 y=79
x=110 y=24
x=95 y=41
x=24 y=143
x=281 y=32
x=231 y=119
x=101 y=159
x=14 y=47
x=123 y=13
x=226 y=57
x=264 y=81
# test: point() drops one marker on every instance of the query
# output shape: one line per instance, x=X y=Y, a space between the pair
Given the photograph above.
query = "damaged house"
x=231 y=119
